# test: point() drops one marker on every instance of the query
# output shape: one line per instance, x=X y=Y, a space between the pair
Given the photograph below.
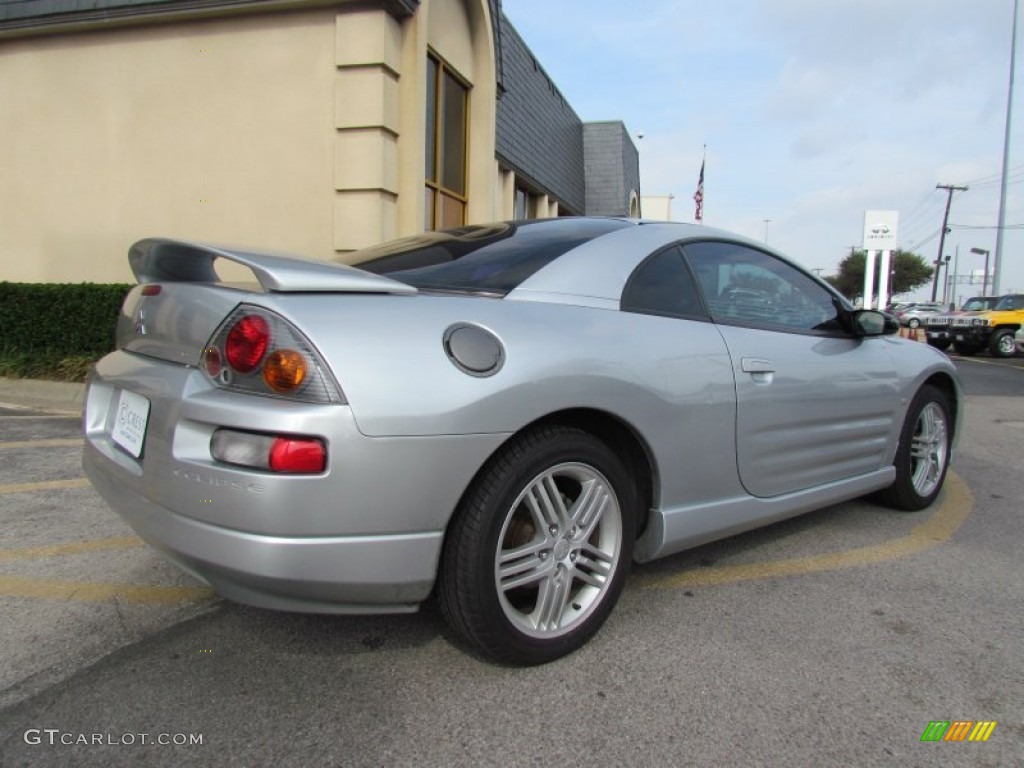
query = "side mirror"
x=870 y=322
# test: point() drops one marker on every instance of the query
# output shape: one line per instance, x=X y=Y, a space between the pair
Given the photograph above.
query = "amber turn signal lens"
x=285 y=370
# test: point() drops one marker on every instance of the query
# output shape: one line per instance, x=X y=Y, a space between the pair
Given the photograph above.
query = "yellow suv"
x=993 y=330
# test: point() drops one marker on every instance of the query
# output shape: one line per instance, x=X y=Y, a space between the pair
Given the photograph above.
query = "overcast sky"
x=813 y=111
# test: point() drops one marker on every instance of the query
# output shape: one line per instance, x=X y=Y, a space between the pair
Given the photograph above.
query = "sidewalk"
x=37 y=393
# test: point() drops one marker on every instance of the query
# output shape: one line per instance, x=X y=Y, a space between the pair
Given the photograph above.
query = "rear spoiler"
x=161 y=259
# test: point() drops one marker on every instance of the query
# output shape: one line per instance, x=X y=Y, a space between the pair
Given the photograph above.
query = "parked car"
x=893 y=307
x=938 y=327
x=914 y=315
x=993 y=329
x=505 y=416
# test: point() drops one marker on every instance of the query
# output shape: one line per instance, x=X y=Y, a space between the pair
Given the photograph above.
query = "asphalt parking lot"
x=832 y=639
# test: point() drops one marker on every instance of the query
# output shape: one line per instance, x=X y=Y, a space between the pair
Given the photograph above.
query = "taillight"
x=257 y=351
x=285 y=370
x=287 y=454
x=247 y=342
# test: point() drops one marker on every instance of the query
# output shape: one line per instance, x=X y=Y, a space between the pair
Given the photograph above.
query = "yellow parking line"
x=13 y=586
x=47 y=443
x=71 y=548
x=65 y=415
x=998 y=363
x=44 y=485
x=954 y=509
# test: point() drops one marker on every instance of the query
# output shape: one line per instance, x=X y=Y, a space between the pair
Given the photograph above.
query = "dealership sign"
x=880 y=230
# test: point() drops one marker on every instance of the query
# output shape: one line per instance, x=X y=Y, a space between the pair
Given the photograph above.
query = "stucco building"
x=308 y=126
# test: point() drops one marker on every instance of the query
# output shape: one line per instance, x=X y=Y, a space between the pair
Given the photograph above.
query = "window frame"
x=435 y=190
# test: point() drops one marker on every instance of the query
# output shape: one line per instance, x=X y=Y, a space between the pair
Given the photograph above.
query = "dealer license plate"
x=130 y=422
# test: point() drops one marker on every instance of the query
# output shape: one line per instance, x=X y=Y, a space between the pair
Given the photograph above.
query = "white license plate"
x=959 y=337
x=130 y=422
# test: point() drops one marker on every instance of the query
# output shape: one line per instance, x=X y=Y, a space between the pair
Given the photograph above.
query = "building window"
x=446 y=146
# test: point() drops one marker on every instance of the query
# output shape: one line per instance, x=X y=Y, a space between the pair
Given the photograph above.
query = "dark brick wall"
x=612 y=168
x=539 y=136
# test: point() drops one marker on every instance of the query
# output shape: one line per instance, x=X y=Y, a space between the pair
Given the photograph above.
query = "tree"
x=908 y=271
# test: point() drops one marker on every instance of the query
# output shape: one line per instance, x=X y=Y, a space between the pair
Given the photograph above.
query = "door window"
x=745 y=286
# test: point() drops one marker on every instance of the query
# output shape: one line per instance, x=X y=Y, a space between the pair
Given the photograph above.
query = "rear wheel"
x=538 y=551
x=922 y=456
x=1002 y=344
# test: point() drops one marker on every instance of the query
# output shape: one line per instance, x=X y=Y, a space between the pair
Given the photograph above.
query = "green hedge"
x=54 y=330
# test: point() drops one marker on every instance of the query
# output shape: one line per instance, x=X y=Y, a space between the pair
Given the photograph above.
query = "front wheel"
x=538 y=551
x=965 y=349
x=942 y=344
x=913 y=323
x=1002 y=344
x=922 y=456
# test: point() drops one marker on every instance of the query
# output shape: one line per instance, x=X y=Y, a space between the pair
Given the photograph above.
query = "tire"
x=539 y=548
x=922 y=457
x=913 y=323
x=942 y=344
x=967 y=350
x=1002 y=344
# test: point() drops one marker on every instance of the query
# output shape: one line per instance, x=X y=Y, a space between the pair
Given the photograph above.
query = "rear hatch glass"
x=492 y=259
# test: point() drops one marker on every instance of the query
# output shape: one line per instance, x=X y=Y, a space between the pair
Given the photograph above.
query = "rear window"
x=491 y=259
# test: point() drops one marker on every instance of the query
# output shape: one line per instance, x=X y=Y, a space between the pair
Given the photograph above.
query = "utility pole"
x=1006 y=157
x=950 y=189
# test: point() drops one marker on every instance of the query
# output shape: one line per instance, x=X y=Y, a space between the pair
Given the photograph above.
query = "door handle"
x=754 y=365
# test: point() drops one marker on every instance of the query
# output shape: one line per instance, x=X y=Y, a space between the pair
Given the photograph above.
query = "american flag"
x=698 y=196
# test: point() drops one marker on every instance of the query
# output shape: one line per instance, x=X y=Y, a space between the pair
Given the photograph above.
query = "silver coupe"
x=501 y=416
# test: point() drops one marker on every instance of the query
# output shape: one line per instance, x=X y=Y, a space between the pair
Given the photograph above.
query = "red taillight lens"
x=293 y=455
x=247 y=342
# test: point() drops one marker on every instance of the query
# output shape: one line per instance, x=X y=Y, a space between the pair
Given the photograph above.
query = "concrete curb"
x=59 y=395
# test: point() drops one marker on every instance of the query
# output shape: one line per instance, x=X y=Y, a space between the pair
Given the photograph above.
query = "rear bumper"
x=323 y=574
x=364 y=536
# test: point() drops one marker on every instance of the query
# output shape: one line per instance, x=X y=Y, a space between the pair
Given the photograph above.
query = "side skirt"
x=673 y=530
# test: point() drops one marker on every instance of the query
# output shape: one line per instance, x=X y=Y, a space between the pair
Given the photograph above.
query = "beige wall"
x=215 y=130
x=300 y=131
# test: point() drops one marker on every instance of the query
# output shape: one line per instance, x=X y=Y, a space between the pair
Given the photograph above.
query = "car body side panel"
x=669 y=379
x=811 y=409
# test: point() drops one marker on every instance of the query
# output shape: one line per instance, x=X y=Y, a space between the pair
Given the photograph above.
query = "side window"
x=662 y=285
x=744 y=286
